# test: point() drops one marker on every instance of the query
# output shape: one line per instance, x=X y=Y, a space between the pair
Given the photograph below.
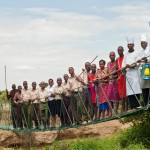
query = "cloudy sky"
x=40 y=39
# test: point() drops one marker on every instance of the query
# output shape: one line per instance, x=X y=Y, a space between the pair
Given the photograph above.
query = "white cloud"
x=133 y=15
x=24 y=68
x=40 y=43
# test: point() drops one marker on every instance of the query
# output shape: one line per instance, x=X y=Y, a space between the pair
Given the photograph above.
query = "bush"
x=109 y=143
x=135 y=147
x=139 y=132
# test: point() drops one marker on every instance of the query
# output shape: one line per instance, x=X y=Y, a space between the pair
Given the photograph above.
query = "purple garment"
x=112 y=92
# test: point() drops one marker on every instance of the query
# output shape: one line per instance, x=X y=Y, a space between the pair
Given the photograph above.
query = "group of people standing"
x=96 y=93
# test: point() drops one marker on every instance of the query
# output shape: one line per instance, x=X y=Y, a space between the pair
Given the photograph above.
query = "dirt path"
x=101 y=129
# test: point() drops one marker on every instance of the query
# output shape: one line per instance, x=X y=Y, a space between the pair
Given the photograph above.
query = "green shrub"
x=139 y=132
x=135 y=147
x=107 y=143
x=95 y=144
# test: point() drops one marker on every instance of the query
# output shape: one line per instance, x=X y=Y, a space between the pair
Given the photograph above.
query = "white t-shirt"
x=50 y=91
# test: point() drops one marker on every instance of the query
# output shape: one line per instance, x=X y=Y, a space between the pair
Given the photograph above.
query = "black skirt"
x=52 y=108
x=59 y=107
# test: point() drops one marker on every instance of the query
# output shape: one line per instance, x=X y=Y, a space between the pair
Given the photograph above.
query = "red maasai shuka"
x=112 y=92
x=102 y=87
x=121 y=79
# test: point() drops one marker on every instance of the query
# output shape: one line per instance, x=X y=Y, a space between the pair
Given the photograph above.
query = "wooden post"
x=5 y=77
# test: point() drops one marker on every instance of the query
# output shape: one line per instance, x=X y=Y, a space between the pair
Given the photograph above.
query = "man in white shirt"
x=58 y=92
x=132 y=75
x=35 y=97
x=43 y=104
x=66 y=106
x=51 y=104
x=87 y=111
x=74 y=87
x=27 y=108
x=143 y=59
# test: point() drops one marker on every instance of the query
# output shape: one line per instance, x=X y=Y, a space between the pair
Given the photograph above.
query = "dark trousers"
x=44 y=113
x=76 y=107
x=19 y=115
x=14 y=115
x=87 y=110
x=36 y=114
x=59 y=111
x=66 y=110
x=146 y=96
x=134 y=101
x=27 y=115
x=51 y=110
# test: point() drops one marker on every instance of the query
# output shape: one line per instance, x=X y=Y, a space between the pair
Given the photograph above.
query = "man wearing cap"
x=143 y=59
x=43 y=95
x=132 y=75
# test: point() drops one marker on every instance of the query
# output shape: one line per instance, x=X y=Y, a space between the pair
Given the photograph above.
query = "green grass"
x=109 y=143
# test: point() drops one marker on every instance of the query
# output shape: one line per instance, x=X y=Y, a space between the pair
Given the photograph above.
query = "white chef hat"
x=130 y=40
x=143 y=37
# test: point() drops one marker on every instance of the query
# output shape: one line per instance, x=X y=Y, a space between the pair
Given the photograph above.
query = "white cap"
x=130 y=40
x=143 y=37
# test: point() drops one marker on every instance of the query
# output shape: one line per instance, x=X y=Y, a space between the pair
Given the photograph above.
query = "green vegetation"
x=139 y=132
x=3 y=97
x=110 y=143
x=135 y=138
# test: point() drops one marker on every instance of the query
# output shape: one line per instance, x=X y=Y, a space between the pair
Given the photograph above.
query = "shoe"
x=89 y=121
x=12 y=128
x=84 y=122
x=139 y=107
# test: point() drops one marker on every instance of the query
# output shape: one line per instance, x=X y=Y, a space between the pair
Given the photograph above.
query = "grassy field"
x=111 y=143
